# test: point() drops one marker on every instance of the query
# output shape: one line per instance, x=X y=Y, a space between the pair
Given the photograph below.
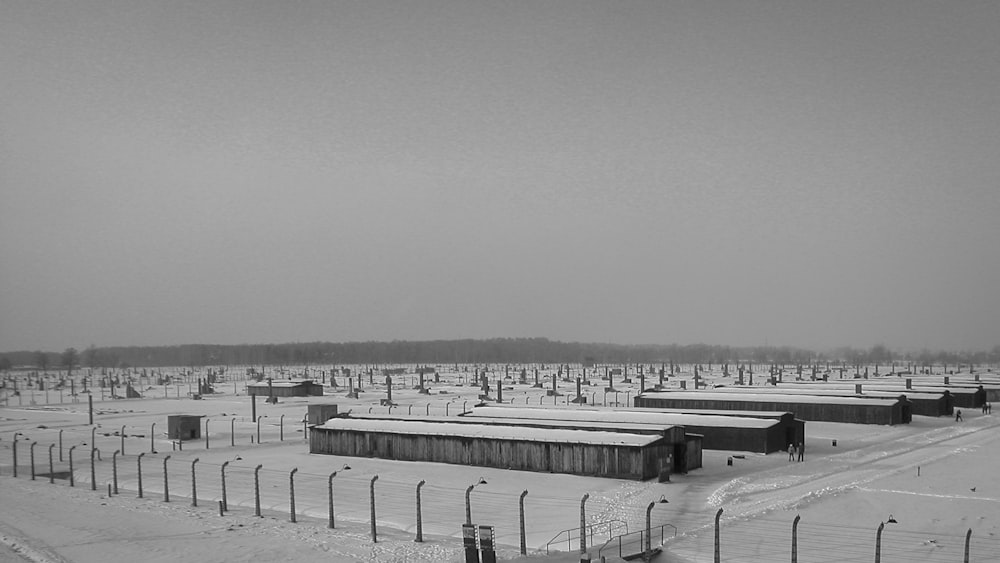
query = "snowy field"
x=936 y=477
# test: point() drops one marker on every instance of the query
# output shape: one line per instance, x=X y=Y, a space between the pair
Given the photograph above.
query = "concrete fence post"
x=968 y=538
x=206 y=433
x=114 y=471
x=718 y=548
x=520 y=509
x=121 y=437
x=72 y=479
x=224 y=504
x=31 y=455
x=795 y=539
x=291 y=494
x=256 y=490
x=878 y=542
x=194 y=483
x=166 y=482
x=138 y=463
x=93 y=471
x=51 y=469
x=420 y=522
x=60 y=446
x=583 y=523
x=373 y=530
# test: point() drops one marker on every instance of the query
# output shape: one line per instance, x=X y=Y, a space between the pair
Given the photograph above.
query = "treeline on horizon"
x=470 y=351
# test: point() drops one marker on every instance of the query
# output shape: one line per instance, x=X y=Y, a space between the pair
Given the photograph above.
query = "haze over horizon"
x=805 y=174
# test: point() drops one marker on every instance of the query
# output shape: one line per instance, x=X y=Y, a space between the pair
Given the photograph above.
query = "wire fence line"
x=443 y=507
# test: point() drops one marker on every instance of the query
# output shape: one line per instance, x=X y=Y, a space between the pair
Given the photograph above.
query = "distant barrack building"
x=853 y=410
x=286 y=388
x=598 y=453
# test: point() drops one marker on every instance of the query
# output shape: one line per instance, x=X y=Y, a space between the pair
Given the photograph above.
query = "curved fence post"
x=51 y=469
x=256 y=490
x=93 y=471
x=114 y=470
x=224 y=504
x=878 y=542
x=291 y=494
x=795 y=539
x=520 y=506
x=194 y=483
x=72 y=479
x=138 y=462
x=166 y=483
x=718 y=548
x=420 y=523
x=374 y=532
x=968 y=537
x=583 y=523
x=31 y=451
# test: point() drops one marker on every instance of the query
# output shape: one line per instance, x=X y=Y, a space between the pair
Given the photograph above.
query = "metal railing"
x=571 y=536
x=632 y=544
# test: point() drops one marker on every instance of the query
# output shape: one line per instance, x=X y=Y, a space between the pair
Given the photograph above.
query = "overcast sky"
x=814 y=174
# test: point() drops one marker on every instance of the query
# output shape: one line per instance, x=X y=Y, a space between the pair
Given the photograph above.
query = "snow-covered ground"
x=937 y=477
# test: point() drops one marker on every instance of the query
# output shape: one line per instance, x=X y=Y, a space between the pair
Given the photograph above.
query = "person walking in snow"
x=958 y=415
x=802 y=451
x=791 y=452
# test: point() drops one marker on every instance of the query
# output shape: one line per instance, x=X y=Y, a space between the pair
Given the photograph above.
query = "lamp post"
x=649 y=512
x=329 y=489
x=468 y=499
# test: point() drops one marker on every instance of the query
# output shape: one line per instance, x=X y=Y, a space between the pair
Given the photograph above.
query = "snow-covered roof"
x=619 y=416
x=613 y=426
x=490 y=432
x=827 y=392
x=283 y=383
x=766 y=398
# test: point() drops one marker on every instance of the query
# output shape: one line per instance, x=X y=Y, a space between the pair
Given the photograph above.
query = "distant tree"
x=90 y=357
x=42 y=360
x=70 y=358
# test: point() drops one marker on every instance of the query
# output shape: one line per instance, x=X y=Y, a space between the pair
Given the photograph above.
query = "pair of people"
x=794 y=449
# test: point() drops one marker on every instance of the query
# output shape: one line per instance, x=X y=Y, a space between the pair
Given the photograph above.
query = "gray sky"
x=801 y=173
